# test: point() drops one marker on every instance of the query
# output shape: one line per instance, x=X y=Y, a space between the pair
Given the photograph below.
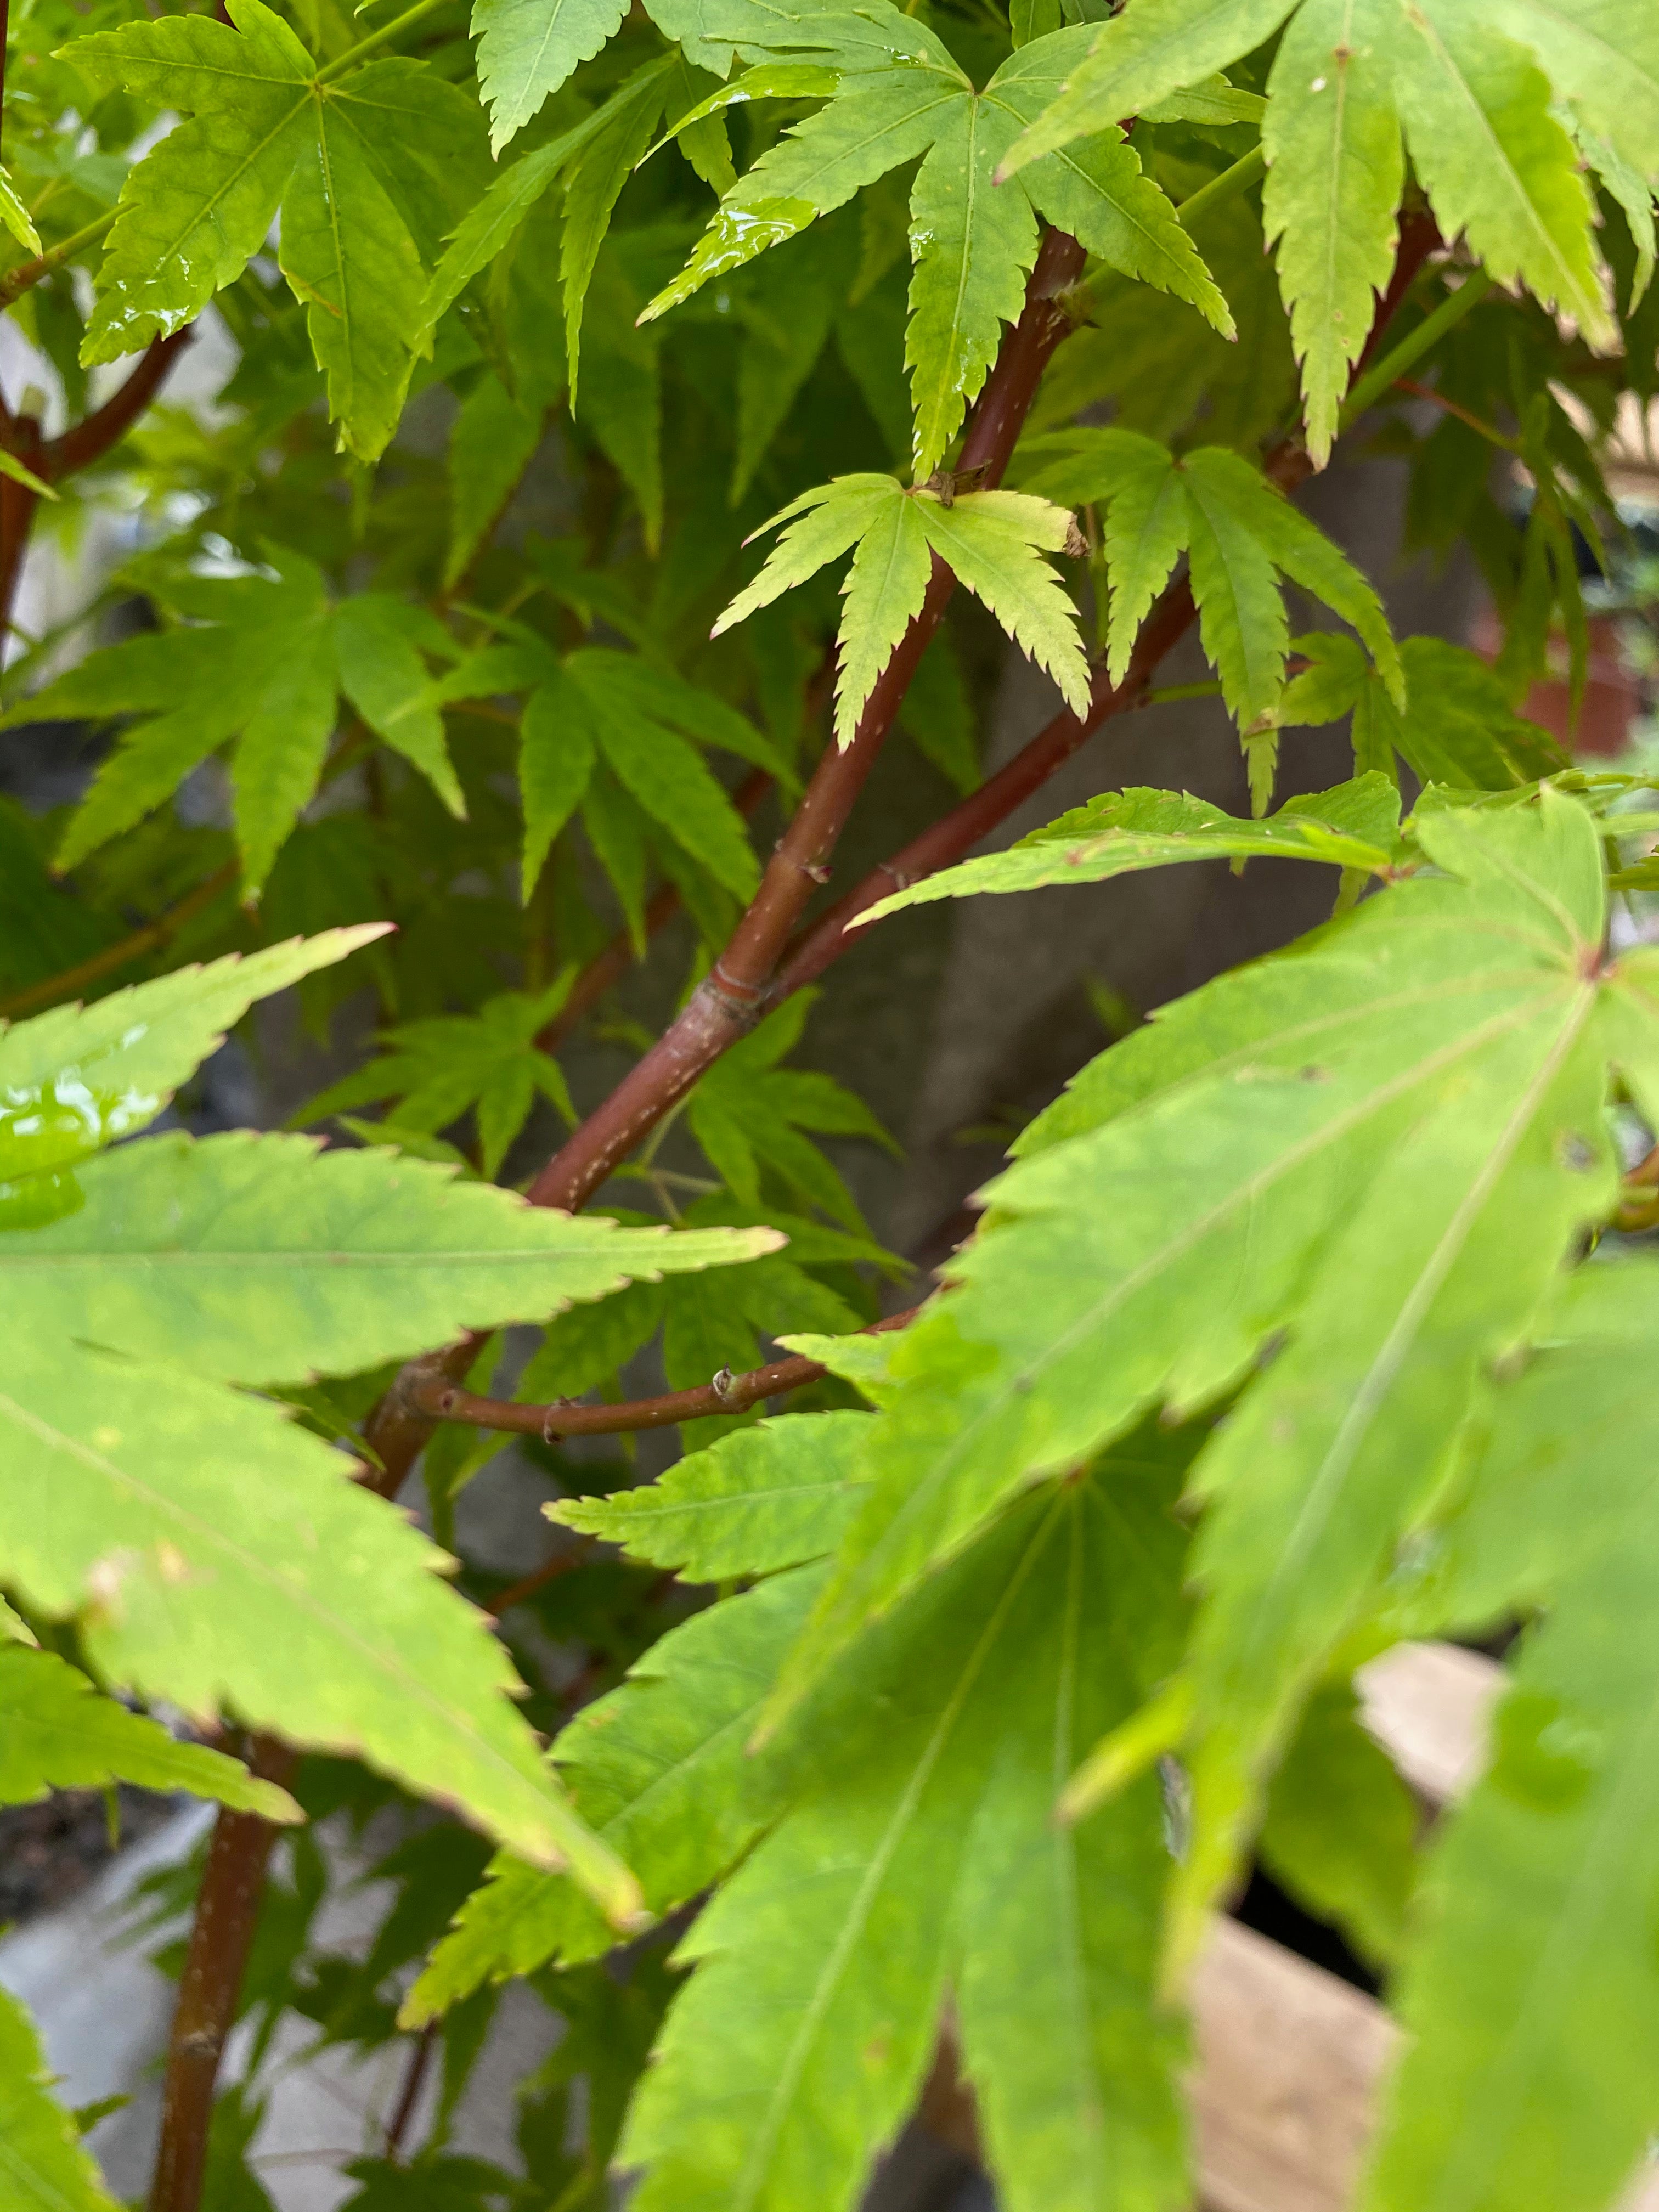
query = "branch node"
x=720 y=1384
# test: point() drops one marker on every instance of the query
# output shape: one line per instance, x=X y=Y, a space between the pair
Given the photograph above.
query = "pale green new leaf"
x=884 y=588
x=43 y=2166
x=754 y=1501
x=823 y=524
x=264 y=1259
x=659 y=1767
x=1334 y=175
x=57 y=1733
x=1353 y=826
x=972 y=246
x=994 y=541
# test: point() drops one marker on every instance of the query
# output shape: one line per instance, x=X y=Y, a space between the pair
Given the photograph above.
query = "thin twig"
x=561 y=1563
x=16 y=282
x=410 y=2095
x=1487 y=430
x=442 y=1400
x=98 y=964
x=726 y=1004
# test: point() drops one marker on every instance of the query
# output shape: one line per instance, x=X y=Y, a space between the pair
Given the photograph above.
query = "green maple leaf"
x=1450 y=1044
x=1339 y=1831
x=753 y=1502
x=258 y=667
x=42 y=2164
x=212 y=1553
x=994 y=541
x=1354 y=826
x=1474 y=93
x=1526 y=1974
x=439 y=1069
x=57 y=1733
x=920 y=1856
x=973 y=245
x=659 y=1767
x=367 y=171
x=1457 y=728
x=1241 y=535
x=749 y=1114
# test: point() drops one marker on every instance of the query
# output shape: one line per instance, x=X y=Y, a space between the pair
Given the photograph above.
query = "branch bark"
x=54 y=458
x=729 y=1001
x=226 y=1913
x=442 y=1400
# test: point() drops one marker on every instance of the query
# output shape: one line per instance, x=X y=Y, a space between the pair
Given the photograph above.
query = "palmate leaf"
x=1471 y=92
x=366 y=173
x=925 y=1853
x=212 y=1553
x=438 y=1070
x=658 y=1766
x=43 y=2167
x=643 y=724
x=972 y=244
x=1354 y=826
x=1532 y=2011
x=993 y=540
x=1241 y=535
x=57 y=1733
x=755 y=1501
x=258 y=668
x=1456 y=729
x=262 y=1259
x=1451 y=1041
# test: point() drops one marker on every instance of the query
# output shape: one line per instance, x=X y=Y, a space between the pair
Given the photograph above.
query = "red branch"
x=726 y=1004
x=52 y=459
x=727 y=1393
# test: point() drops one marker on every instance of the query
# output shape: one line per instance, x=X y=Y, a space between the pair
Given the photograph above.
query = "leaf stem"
x=1247 y=170
x=387 y=32
x=1369 y=387
x=18 y=281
